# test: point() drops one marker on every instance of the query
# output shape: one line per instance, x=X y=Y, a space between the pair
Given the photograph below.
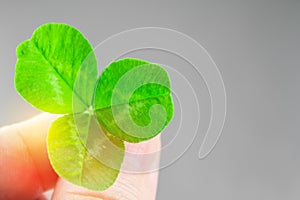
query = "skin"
x=25 y=171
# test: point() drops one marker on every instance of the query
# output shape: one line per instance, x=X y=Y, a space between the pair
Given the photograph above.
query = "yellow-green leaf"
x=83 y=153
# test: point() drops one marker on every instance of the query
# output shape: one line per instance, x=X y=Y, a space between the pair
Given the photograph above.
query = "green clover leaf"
x=76 y=159
x=56 y=72
x=126 y=91
x=48 y=64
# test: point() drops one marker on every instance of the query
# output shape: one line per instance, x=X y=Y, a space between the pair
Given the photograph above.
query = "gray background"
x=256 y=46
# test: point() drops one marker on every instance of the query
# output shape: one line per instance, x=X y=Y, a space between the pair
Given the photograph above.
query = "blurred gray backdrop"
x=256 y=46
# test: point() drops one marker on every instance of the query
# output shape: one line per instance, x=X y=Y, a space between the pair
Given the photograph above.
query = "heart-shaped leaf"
x=133 y=100
x=48 y=65
x=83 y=153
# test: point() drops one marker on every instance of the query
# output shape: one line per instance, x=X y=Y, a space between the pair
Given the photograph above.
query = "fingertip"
x=25 y=171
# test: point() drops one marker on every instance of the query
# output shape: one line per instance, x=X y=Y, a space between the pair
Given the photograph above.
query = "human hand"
x=25 y=171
